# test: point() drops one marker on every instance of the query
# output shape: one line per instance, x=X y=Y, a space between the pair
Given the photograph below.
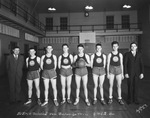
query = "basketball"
x=81 y=63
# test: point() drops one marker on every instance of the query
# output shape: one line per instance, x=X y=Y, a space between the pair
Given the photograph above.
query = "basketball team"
x=114 y=66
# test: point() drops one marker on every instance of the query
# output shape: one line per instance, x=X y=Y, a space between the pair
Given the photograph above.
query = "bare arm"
x=59 y=61
x=88 y=60
x=41 y=63
x=55 y=62
x=27 y=62
x=121 y=64
x=104 y=56
x=75 y=58
x=38 y=60
x=108 y=62
x=92 y=60
x=71 y=58
x=108 y=65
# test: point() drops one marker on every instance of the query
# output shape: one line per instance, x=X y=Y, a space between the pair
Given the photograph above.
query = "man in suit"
x=134 y=69
x=14 y=66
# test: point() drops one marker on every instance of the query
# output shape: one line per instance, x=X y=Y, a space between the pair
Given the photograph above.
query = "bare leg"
x=95 y=79
x=101 y=81
x=63 y=84
x=69 y=80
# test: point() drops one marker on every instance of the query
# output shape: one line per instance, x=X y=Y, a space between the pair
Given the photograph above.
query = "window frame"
x=63 y=23
x=49 y=25
x=125 y=21
x=109 y=23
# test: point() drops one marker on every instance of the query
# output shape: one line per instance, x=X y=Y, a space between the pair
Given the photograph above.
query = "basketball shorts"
x=49 y=74
x=66 y=72
x=31 y=75
x=116 y=70
x=81 y=71
x=99 y=71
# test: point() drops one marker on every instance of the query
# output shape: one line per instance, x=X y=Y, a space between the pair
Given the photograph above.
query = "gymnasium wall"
x=73 y=41
x=57 y=42
x=94 y=17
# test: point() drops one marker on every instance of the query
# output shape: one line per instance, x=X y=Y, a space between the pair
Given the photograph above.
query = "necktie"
x=16 y=57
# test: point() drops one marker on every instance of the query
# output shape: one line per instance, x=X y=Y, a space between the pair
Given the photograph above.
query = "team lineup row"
x=132 y=70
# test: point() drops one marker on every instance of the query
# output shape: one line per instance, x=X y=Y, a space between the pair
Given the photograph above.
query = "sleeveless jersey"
x=48 y=62
x=115 y=59
x=33 y=65
x=98 y=61
x=65 y=61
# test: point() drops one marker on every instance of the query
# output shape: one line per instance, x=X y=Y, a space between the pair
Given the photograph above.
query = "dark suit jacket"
x=14 y=68
x=133 y=66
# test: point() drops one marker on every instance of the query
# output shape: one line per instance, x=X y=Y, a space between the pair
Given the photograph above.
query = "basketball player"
x=64 y=64
x=48 y=65
x=98 y=63
x=115 y=69
x=81 y=60
x=33 y=65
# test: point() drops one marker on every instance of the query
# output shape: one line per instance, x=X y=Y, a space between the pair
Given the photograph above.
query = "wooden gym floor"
x=18 y=110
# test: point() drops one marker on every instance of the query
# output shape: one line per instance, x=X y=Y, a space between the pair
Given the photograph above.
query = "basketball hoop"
x=87 y=37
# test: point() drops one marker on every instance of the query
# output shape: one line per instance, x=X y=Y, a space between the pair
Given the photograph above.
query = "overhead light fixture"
x=88 y=7
x=51 y=9
x=126 y=6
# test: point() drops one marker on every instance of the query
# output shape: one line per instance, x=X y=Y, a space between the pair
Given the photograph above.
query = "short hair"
x=48 y=45
x=45 y=48
x=16 y=47
x=65 y=44
x=31 y=48
x=114 y=42
x=80 y=45
x=133 y=43
x=98 y=44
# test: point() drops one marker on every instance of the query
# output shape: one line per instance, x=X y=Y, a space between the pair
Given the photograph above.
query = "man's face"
x=80 y=49
x=16 y=51
x=133 y=47
x=49 y=49
x=65 y=48
x=115 y=47
x=99 y=48
x=32 y=52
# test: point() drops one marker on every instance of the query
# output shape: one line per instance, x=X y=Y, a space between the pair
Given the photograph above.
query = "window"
x=125 y=22
x=109 y=22
x=49 y=24
x=63 y=23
